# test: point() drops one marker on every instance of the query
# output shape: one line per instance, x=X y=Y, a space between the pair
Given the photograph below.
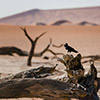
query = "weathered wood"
x=55 y=54
x=43 y=88
x=26 y=84
x=75 y=71
x=42 y=52
x=39 y=72
x=57 y=46
x=33 y=44
x=92 y=58
x=73 y=66
x=11 y=50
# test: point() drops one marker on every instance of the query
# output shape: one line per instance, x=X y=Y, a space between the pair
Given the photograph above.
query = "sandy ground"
x=86 y=39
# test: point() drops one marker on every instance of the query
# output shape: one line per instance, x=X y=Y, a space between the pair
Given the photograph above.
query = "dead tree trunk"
x=43 y=88
x=30 y=83
x=11 y=50
x=33 y=44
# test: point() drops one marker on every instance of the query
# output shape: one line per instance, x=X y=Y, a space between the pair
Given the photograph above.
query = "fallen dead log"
x=43 y=88
x=11 y=50
x=91 y=58
x=34 y=84
x=39 y=72
x=26 y=84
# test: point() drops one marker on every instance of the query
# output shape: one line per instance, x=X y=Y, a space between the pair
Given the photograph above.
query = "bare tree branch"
x=54 y=52
x=57 y=46
x=41 y=53
x=33 y=45
x=24 y=29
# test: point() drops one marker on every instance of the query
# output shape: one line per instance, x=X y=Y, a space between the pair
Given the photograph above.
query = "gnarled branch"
x=54 y=52
x=32 y=46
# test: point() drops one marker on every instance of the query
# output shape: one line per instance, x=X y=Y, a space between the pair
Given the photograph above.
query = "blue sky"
x=10 y=7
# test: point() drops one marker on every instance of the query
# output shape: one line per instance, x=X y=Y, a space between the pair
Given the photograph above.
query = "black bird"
x=69 y=48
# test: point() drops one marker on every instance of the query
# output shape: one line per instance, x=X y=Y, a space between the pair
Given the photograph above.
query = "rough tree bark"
x=43 y=88
x=29 y=86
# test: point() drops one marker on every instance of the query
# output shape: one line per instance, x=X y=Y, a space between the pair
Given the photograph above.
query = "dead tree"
x=92 y=58
x=18 y=86
x=39 y=72
x=75 y=71
x=57 y=46
x=49 y=50
x=42 y=52
x=32 y=83
x=11 y=50
x=43 y=88
x=33 y=44
x=54 y=45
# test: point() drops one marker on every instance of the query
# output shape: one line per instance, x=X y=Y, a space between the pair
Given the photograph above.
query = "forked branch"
x=33 y=42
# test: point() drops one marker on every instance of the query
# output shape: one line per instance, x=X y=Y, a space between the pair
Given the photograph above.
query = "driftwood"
x=26 y=84
x=11 y=50
x=43 y=88
x=39 y=72
x=75 y=71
